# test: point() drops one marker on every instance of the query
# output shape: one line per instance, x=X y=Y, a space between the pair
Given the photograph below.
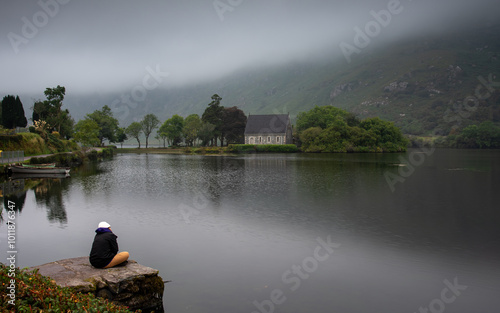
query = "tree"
x=192 y=125
x=334 y=130
x=233 y=127
x=309 y=139
x=121 y=136
x=488 y=135
x=385 y=132
x=54 y=102
x=108 y=125
x=20 y=115
x=159 y=138
x=134 y=130
x=213 y=114
x=322 y=117
x=50 y=110
x=206 y=133
x=162 y=134
x=172 y=128
x=87 y=132
x=66 y=128
x=484 y=135
x=40 y=111
x=149 y=123
x=13 y=112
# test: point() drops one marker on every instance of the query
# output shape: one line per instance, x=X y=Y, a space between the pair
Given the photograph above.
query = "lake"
x=285 y=232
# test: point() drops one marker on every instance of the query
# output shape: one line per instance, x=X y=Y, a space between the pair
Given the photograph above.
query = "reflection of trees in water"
x=12 y=190
x=224 y=176
x=87 y=175
x=18 y=198
x=49 y=193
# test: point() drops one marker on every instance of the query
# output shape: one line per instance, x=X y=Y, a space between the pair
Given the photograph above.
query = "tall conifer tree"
x=13 y=112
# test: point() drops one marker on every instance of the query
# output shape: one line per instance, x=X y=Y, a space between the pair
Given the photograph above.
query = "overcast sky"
x=100 y=46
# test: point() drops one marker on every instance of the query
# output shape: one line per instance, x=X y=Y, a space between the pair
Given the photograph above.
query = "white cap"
x=103 y=225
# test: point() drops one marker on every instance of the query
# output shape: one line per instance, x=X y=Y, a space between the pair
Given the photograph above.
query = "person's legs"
x=118 y=259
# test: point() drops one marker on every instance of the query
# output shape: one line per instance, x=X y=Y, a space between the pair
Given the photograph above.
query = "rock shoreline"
x=133 y=285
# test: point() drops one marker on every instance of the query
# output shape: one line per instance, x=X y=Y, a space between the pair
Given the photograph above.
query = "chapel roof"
x=268 y=124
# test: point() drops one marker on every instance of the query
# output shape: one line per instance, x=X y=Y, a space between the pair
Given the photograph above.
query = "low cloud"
x=104 y=46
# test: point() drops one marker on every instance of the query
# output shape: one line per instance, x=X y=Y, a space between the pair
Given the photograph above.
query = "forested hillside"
x=424 y=85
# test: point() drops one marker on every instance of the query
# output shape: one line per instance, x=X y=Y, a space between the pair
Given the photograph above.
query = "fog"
x=105 y=46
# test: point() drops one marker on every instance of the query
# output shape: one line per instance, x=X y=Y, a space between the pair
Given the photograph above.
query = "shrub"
x=37 y=293
x=107 y=152
x=72 y=145
x=263 y=148
x=241 y=148
x=54 y=141
x=92 y=155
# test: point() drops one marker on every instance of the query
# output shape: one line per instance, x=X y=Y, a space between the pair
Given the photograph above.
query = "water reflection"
x=49 y=193
x=87 y=175
x=221 y=177
x=18 y=199
x=12 y=191
x=250 y=218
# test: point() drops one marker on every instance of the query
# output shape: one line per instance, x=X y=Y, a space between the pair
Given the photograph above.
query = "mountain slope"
x=420 y=84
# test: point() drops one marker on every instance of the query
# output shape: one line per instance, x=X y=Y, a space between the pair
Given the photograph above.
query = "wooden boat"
x=38 y=170
x=51 y=165
x=15 y=176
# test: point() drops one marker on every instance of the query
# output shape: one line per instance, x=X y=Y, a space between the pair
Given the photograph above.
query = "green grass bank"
x=34 y=144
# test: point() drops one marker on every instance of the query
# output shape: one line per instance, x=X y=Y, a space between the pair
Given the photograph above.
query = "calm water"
x=286 y=233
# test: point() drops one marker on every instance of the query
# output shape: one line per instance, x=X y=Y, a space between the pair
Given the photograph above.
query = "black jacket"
x=104 y=249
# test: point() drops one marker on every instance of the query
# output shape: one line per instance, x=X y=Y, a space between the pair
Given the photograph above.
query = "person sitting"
x=104 y=252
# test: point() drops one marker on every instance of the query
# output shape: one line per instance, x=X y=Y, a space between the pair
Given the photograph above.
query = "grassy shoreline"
x=151 y=150
x=229 y=150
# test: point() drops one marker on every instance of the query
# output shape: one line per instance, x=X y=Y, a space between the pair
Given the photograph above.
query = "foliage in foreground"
x=37 y=293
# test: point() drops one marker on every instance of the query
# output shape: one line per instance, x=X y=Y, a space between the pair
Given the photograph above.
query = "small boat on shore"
x=33 y=169
x=15 y=176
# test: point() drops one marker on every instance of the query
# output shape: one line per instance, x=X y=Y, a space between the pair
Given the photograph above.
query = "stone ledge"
x=134 y=285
